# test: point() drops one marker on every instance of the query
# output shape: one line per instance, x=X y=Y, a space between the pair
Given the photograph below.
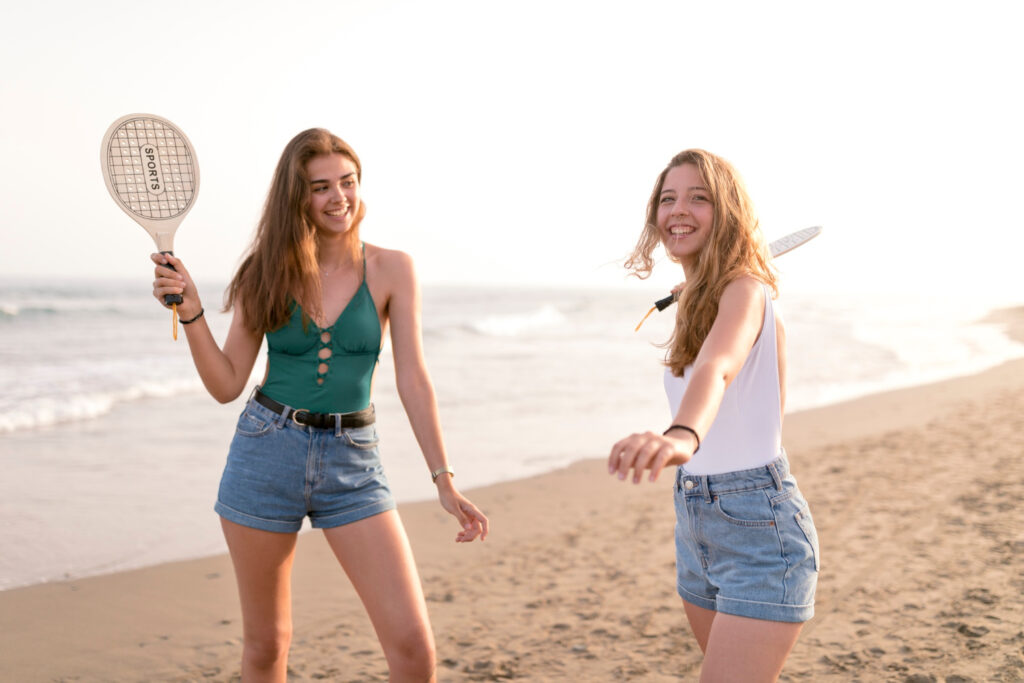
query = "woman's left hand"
x=474 y=523
x=648 y=451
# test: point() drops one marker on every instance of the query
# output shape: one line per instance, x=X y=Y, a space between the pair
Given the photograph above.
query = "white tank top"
x=747 y=431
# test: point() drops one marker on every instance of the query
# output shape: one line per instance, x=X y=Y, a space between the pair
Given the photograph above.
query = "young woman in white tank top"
x=746 y=548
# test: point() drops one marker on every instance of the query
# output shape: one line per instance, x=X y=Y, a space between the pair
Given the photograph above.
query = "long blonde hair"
x=280 y=266
x=735 y=248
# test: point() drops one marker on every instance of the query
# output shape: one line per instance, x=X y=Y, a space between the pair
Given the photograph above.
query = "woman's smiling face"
x=334 y=192
x=685 y=212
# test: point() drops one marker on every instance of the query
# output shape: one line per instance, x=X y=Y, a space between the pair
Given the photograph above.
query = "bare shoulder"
x=391 y=276
x=743 y=291
x=388 y=263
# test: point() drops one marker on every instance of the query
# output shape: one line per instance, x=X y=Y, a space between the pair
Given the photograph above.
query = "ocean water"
x=111 y=450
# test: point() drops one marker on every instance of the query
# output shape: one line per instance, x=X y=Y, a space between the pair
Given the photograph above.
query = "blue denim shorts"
x=746 y=543
x=278 y=472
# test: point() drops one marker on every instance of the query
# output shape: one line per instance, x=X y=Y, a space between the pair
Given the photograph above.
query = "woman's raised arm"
x=739 y=320
x=224 y=372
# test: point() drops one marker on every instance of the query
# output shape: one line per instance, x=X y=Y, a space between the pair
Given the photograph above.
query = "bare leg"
x=263 y=565
x=375 y=554
x=743 y=649
x=700 y=623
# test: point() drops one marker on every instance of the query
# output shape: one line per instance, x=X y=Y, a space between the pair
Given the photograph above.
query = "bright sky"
x=516 y=143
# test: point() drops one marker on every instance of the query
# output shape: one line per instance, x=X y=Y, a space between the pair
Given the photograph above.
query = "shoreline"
x=915 y=492
x=951 y=388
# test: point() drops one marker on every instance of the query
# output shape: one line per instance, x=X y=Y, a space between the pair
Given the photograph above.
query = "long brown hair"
x=280 y=266
x=735 y=248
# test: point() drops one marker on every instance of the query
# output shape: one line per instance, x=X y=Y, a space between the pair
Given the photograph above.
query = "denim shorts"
x=746 y=544
x=278 y=472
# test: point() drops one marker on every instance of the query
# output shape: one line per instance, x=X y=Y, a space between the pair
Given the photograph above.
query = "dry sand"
x=916 y=494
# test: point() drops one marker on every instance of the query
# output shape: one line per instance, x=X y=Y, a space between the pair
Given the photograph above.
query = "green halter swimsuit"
x=302 y=377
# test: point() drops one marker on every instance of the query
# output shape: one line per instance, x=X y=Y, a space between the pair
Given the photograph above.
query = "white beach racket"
x=151 y=171
x=777 y=248
x=793 y=240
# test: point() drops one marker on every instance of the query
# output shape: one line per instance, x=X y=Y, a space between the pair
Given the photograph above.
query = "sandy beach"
x=916 y=494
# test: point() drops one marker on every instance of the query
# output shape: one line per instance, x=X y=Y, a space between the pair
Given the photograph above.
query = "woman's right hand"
x=474 y=523
x=175 y=281
x=648 y=451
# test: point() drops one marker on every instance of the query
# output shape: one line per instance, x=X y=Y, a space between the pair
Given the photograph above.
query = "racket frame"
x=170 y=182
x=777 y=248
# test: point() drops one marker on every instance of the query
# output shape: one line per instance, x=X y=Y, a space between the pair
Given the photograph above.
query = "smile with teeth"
x=341 y=211
x=679 y=230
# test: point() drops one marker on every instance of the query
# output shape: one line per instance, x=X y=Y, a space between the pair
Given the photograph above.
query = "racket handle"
x=662 y=304
x=171 y=298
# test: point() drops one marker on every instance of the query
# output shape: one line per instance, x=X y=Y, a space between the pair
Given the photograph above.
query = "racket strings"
x=128 y=169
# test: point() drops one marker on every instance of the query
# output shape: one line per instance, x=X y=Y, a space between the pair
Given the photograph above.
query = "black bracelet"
x=689 y=429
x=193 y=319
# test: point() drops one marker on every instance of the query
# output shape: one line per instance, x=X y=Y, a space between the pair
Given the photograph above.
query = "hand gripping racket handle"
x=171 y=298
x=662 y=304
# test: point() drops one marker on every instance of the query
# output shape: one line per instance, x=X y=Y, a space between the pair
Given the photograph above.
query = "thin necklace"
x=336 y=269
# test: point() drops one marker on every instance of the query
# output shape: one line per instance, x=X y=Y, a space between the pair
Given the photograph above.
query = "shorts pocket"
x=364 y=438
x=253 y=424
x=749 y=509
x=806 y=524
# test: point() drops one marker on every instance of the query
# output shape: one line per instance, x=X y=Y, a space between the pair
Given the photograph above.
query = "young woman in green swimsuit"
x=305 y=444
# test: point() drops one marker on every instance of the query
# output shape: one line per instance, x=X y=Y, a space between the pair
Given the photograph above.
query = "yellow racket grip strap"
x=637 y=328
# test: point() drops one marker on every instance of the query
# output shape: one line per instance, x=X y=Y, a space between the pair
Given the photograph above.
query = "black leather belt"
x=305 y=418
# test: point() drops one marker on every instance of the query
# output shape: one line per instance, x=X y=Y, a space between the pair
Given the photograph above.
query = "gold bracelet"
x=441 y=470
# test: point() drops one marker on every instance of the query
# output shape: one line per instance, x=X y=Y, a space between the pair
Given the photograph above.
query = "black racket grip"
x=171 y=298
x=662 y=304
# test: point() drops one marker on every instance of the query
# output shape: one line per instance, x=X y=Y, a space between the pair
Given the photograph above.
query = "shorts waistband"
x=305 y=418
x=708 y=485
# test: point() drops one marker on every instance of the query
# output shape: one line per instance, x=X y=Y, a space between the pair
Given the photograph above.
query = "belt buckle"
x=295 y=417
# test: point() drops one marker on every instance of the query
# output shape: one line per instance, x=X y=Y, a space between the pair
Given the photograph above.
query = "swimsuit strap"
x=364 y=261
